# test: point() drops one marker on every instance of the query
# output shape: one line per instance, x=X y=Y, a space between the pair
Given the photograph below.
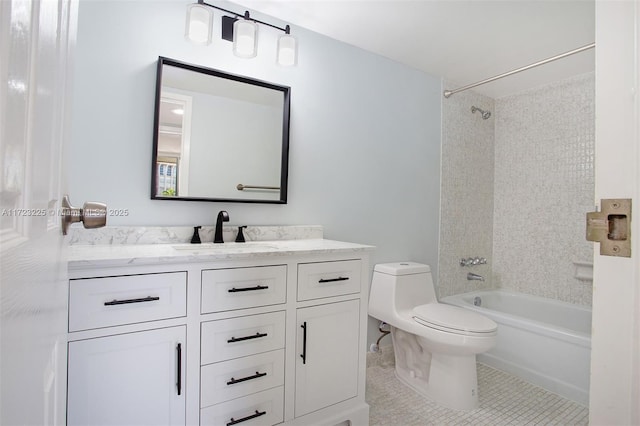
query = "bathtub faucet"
x=474 y=277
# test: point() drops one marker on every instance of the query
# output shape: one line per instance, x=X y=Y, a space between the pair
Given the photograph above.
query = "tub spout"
x=474 y=277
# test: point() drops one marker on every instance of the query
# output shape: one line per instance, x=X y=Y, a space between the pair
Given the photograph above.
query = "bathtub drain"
x=477 y=301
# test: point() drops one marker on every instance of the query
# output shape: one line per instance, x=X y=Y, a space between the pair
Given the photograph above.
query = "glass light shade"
x=199 y=25
x=287 y=50
x=245 y=38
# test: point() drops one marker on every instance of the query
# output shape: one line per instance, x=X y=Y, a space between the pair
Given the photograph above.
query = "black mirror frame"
x=284 y=162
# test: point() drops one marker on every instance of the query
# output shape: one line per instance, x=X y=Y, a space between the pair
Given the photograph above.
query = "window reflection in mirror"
x=219 y=137
x=173 y=145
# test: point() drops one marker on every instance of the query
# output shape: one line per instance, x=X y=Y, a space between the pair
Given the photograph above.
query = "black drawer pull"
x=124 y=302
x=331 y=280
x=179 y=379
x=258 y=287
x=253 y=336
x=244 y=379
x=244 y=419
x=303 y=355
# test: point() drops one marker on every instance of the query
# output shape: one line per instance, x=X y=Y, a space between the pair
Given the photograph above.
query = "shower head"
x=485 y=114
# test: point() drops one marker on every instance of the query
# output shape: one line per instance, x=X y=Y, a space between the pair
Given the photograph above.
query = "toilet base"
x=448 y=380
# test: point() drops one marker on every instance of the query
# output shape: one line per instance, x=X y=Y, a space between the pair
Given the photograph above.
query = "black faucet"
x=222 y=217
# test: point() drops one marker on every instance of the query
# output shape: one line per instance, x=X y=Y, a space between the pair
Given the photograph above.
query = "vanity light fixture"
x=287 y=49
x=242 y=30
x=199 y=25
x=245 y=37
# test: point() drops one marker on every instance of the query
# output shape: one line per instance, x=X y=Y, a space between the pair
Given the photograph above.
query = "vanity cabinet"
x=127 y=379
x=328 y=334
x=327 y=368
x=275 y=338
x=242 y=369
x=129 y=376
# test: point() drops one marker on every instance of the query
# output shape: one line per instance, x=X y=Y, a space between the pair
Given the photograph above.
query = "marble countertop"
x=108 y=255
x=126 y=235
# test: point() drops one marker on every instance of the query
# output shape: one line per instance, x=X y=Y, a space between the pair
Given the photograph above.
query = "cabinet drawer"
x=326 y=279
x=262 y=408
x=110 y=301
x=227 y=380
x=237 y=337
x=238 y=288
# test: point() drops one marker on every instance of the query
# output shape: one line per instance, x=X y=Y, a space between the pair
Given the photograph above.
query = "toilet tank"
x=399 y=286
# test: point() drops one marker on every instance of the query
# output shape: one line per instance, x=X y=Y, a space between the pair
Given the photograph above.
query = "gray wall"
x=365 y=131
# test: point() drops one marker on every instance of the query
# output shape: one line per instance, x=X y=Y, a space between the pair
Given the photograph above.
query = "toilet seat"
x=453 y=319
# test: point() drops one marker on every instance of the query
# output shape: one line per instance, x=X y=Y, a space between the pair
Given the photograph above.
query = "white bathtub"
x=544 y=341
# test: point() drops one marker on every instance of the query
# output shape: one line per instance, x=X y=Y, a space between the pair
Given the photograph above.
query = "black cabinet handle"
x=253 y=336
x=179 y=382
x=331 y=280
x=244 y=379
x=124 y=302
x=258 y=287
x=244 y=419
x=303 y=355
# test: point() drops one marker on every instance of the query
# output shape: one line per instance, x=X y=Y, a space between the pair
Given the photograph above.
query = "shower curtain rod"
x=448 y=93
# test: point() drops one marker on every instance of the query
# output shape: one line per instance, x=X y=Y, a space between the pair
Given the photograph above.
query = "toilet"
x=435 y=344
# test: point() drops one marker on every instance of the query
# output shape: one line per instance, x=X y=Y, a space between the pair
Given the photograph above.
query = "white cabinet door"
x=128 y=379
x=327 y=357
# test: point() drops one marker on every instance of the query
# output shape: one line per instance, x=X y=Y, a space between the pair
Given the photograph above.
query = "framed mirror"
x=219 y=136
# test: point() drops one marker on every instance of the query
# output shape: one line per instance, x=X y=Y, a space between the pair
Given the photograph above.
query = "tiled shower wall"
x=542 y=184
x=466 y=217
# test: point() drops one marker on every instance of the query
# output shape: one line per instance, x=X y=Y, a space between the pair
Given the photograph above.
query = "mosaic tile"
x=516 y=187
x=504 y=400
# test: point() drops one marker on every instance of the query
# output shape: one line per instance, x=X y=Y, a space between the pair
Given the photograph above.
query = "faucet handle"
x=472 y=261
x=195 y=239
x=240 y=237
x=466 y=262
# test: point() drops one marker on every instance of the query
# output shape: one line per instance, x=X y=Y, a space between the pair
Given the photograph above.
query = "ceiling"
x=463 y=41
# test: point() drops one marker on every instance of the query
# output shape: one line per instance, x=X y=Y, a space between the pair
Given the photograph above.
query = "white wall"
x=365 y=131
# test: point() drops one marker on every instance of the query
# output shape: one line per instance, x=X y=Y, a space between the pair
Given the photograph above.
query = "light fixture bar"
x=242 y=30
x=240 y=15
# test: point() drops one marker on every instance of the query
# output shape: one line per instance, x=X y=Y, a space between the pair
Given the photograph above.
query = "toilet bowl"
x=435 y=344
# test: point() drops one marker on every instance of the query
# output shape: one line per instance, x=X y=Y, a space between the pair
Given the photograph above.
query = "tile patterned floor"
x=504 y=400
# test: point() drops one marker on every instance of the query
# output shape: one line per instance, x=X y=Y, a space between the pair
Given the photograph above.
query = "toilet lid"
x=453 y=319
